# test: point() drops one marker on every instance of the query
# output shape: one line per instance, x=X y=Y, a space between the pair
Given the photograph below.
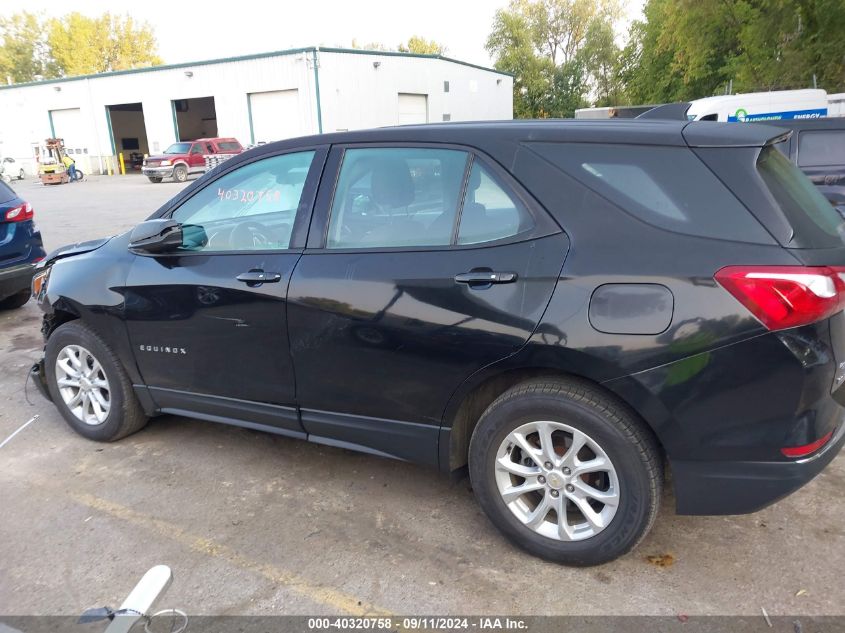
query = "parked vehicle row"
x=562 y=307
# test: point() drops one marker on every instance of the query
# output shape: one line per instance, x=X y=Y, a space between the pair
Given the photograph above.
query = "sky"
x=192 y=30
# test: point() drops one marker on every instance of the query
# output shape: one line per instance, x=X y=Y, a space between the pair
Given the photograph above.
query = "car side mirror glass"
x=162 y=235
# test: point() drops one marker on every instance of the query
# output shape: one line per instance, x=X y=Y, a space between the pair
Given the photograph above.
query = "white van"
x=761 y=106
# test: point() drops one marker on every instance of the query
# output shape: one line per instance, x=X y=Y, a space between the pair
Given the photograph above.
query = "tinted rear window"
x=229 y=146
x=667 y=187
x=7 y=194
x=812 y=217
x=820 y=149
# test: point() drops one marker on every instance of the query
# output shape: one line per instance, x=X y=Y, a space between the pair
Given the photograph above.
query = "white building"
x=254 y=98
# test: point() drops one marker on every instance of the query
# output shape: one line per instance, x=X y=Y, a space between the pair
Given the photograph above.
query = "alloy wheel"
x=83 y=385
x=557 y=480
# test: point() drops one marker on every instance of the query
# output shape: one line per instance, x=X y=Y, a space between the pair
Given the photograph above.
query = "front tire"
x=180 y=173
x=89 y=385
x=154 y=179
x=566 y=472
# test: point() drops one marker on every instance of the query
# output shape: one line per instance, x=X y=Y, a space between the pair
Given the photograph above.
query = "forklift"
x=51 y=169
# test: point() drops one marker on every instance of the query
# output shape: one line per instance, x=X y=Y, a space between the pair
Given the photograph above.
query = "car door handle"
x=485 y=277
x=259 y=277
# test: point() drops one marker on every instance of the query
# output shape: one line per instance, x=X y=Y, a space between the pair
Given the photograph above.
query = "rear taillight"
x=786 y=296
x=19 y=214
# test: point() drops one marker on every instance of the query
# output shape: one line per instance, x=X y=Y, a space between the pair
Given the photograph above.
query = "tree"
x=601 y=60
x=34 y=48
x=81 y=45
x=686 y=49
x=415 y=44
x=24 y=55
x=370 y=46
x=422 y=46
x=547 y=46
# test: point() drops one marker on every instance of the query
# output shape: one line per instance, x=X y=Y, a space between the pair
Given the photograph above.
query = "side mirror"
x=156 y=236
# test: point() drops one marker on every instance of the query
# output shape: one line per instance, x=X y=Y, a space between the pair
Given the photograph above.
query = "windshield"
x=812 y=217
x=178 y=148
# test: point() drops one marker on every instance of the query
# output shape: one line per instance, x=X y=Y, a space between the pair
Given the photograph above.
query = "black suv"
x=563 y=307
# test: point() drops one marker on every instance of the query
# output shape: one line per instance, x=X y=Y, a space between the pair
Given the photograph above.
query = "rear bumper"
x=724 y=416
x=743 y=487
x=15 y=279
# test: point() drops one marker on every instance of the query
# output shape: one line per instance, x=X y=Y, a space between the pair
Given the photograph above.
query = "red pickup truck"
x=187 y=157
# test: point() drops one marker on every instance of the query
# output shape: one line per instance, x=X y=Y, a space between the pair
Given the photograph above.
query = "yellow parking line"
x=324 y=595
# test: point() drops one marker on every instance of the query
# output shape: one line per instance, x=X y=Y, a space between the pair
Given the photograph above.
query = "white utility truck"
x=761 y=106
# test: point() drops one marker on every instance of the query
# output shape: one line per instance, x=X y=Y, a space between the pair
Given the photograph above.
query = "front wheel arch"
x=104 y=374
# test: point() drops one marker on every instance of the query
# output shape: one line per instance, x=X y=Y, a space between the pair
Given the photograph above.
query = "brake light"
x=803 y=451
x=19 y=214
x=786 y=296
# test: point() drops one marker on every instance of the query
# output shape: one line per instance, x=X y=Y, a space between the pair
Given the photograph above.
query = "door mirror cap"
x=156 y=236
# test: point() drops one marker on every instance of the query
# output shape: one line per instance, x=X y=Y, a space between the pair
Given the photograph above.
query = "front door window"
x=251 y=208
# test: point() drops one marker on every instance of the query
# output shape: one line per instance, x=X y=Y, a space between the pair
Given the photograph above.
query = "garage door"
x=68 y=125
x=413 y=108
x=275 y=115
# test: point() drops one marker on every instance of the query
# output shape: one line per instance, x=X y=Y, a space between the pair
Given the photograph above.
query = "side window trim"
x=544 y=223
x=456 y=227
x=304 y=211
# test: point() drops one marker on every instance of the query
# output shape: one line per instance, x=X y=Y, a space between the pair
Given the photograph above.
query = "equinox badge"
x=162 y=349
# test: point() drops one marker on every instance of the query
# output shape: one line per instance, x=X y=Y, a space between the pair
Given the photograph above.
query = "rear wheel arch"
x=454 y=454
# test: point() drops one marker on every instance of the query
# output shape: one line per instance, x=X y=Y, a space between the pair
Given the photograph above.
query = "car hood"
x=70 y=250
x=166 y=157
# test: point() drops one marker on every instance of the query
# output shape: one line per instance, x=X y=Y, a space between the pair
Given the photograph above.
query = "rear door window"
x=666 y=187
x=396 y=197
x=813 y=219
x=489 y=212
x=821 y=149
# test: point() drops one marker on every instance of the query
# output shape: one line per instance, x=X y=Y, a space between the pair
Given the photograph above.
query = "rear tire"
x=17 y=300
x=180 y=173
x=89 y=385
x=154 y=179
x=620 y=456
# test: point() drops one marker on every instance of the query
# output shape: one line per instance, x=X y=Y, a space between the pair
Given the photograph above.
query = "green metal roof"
x=241 y=58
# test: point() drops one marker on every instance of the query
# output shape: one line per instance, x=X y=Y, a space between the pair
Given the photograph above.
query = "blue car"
x=20 y=248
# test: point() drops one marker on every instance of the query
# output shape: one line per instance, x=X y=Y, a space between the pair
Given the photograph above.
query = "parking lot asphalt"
x=252 y=523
